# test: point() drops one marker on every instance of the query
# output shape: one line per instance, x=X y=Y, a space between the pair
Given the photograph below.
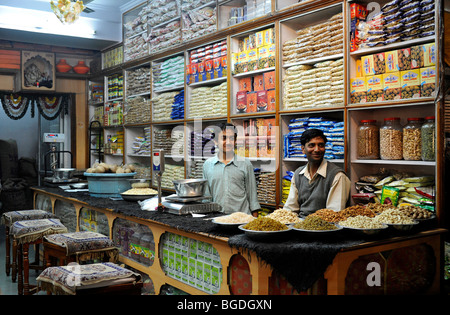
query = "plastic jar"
x=428 y=135
x=412 y=143
x=391 y=139
x=368 y=140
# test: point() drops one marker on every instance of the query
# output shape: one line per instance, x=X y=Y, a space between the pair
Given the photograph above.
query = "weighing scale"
x=180 y=205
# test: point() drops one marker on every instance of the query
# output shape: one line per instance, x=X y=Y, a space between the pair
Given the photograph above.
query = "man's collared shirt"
x=337 y=196
x=233 y=186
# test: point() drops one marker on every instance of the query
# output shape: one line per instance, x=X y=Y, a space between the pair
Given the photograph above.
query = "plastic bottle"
x=412 y=143
x=368 y=140
x=428 y=135
x=391 y=139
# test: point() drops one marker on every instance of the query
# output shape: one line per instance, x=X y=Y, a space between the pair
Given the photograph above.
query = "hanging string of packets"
x=332 y=129
x=50 y=107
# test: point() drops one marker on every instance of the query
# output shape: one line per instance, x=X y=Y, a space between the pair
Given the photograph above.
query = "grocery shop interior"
x=225 y=147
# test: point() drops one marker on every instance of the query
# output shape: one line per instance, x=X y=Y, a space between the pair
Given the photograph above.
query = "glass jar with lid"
x=428 y=135
x=368 y=140
x=391 y=139
x=412 y=143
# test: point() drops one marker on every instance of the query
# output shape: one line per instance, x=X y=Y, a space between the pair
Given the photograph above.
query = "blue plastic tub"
x=108 y=185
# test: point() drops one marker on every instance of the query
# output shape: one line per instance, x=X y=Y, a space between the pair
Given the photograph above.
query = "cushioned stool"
x=8 y=218
x=79 y=247
x=26 y=233
x=100 y=278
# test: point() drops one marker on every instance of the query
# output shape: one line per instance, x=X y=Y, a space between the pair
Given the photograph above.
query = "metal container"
x=63 y=173
x=190 y=187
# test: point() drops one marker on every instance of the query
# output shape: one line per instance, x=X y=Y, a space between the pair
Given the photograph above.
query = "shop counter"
x=193 y=255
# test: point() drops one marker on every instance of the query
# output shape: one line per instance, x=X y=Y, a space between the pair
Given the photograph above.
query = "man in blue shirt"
x=231 y=179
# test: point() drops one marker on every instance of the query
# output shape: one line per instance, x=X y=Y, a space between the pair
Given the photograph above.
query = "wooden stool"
x=79 y=247
x=101 y=278
x=8 y=218
x=26 y=233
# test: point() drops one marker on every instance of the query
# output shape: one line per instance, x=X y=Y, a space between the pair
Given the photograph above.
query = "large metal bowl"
x=63 y=173
x=190 y=187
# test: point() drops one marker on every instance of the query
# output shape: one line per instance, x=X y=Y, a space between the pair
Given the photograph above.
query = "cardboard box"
x=417 y=56
x=379 y=63
x=259 y=38
x=428 y=82
x=269 y=36
x=358 y=90
x=272 y=51
x=392 y=61
x=251 y=102
x=241 y=102
x=429 y=55
x=367 y=65
x=194 y=72
x=258 y=82
x=201 y=71
x=404 y=59
x=375 y=88
x=243 y=62
x=263 y=57
x=392 y=86
x=209 y=69
x=188 y=74
x=252 y=59
x=269 y=80
x=218 y=69
x=271 y=100
x=223 y=61
x=245 y=84
x=261 y=101
x=358 y=11
x=410 y=82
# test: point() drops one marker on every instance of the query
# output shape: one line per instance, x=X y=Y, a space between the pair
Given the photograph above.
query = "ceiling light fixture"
x=67 y=11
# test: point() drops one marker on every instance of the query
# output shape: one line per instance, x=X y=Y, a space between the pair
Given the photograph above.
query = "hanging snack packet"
x=389 y=195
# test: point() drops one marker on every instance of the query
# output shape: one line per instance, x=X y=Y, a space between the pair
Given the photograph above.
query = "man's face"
x=314 y=150
x=226 y=141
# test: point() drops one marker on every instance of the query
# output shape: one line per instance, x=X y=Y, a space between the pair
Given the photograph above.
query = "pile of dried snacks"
x=313 y=222
x=284 y=216
x=265 y=224
x=236 y=217
x=361 y=222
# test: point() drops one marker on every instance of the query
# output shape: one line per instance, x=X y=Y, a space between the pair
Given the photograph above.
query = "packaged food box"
x=367 y=65
x=209 y=69
x=201 y=71
x=428 y=82
x=359 y=68
x=261 y=101
x=240 y=146
x=269 y=80
x=245 y=84
x=429 y=55
x=379 y=63
x=241 y=102
x=358 y=90
x=252 y=59
x=259 y=38
x=194 y=72
x=269 y=37
x=410 y=83
x=251 y=102
x=189 y=77
x=252 y=146
x=234 y=62
x=417 y=56
x=392 y=61
x=251 y=42
x=271 y=56
x=271 y=100
x=404 y=59
x=242 y=66
x=262 y=146
x=258 y=82
x=392 y=86
x=375 y=88
x=358 y=11
x=218 y=69
x=263 y=57
x=223 y=61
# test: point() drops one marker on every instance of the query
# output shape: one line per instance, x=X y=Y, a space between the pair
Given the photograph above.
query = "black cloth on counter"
x=301 y=260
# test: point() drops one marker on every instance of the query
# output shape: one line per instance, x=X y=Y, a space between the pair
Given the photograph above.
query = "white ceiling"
x=106 y=20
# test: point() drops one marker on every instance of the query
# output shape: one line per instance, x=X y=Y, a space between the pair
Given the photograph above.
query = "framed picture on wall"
x=38 y=71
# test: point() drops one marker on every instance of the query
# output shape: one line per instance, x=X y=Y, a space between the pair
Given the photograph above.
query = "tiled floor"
x=7 y=287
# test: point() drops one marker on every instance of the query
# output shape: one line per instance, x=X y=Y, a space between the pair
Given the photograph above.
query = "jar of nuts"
x=391 y=139
x=428 y=134
x=412 y=143
x=368 y=140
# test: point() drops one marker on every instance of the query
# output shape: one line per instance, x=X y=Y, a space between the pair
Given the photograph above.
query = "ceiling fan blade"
x=88 y=10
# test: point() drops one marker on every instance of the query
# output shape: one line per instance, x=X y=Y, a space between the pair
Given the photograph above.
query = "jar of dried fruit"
x=412 y=143
x=428 y=135
x=391 y=139
x=368 y=140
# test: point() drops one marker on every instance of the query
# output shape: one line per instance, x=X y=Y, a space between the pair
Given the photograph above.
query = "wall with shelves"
x=312 y=79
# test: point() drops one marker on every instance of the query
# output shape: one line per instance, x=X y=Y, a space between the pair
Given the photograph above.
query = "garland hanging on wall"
x=49 y=106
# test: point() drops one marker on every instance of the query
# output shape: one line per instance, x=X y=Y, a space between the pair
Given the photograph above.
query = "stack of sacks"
x=321 y=40
x=333 y=130
x=168 y=73
x=196 y=169
x=286 y=186
x=137 y=110
x=171 y=173
x=211 y=100
x=162 y=139
x=318 y=86
x=162 y=106
x=201 y=144
x=265 y=188
x=178 y=106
